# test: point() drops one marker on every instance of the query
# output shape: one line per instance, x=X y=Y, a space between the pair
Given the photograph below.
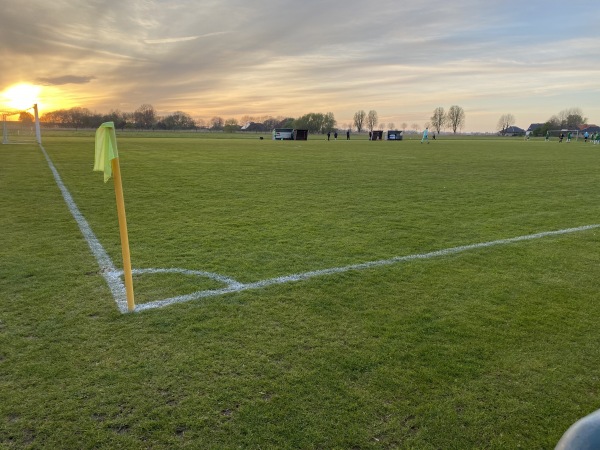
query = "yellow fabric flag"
x=106 y=149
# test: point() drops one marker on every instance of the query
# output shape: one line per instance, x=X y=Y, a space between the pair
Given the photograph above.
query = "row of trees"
x=567 y=119
x=316 y=122
x=145 y=117
x=454 y=118
x=363 y=119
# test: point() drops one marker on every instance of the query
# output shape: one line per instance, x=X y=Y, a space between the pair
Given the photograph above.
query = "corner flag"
x=106 y=149
x=106 y=160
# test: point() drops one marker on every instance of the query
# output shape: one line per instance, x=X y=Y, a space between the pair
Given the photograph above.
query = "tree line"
x=454 y=118
x=146 y=118
x=567 y=119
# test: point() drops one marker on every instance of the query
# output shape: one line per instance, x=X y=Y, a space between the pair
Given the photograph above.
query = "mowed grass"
x=490 y=348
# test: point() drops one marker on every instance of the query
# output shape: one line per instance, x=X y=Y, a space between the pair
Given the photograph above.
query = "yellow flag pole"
x=123 y=231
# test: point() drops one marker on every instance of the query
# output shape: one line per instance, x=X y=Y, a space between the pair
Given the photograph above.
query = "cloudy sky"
x=233 y=58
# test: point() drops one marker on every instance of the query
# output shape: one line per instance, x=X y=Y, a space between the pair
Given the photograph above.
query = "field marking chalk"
x=238 y=287
x=113 y=276
x=107 y=267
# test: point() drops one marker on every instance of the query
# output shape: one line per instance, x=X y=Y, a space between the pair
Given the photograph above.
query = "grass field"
x=488 y=348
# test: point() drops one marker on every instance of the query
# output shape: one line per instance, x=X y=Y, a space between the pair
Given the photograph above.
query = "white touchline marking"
x=113 y=276
x=107 y=268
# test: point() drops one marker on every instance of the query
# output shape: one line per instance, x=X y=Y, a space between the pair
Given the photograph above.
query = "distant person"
x=569 y=136
x=547 y=136
x=370 y=135
x=527 y=133
x=433 y=136
x=425 y=135
x=328 y=135
x=586 y=135
x=597 y=138
x=335 y=135
x=348 y=135
x=561 y=137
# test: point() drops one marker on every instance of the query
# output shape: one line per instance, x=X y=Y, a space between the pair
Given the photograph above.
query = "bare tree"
x=145 y=116
x=456 y=118
x=505 y=121
x=416 y=127
x=372 y=119
x=571 y=118
x=404 y=125
x=391 y=126
x=359 y=120
x=217 y=123
x=438 y=119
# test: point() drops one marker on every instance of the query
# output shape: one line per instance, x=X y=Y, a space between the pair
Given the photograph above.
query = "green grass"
x=491 y=348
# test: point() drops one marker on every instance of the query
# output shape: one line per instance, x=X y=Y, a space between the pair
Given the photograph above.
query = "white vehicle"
x=280 y=134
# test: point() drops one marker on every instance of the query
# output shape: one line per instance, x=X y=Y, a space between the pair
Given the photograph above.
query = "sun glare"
x=21 y=96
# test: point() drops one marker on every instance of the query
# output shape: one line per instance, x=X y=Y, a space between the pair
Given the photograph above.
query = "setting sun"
x=21 y=96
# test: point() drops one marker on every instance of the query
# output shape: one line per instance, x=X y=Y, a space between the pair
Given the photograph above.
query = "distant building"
x=513 y=131
x=534 y=126
x=253 y=126
x=589 y=128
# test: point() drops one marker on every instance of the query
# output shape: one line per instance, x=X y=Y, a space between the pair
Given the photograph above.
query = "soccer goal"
x=21 y=127
x=565 y=133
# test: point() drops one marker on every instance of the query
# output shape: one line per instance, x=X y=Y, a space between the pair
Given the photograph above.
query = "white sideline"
x=112 y=275
x=107 y=268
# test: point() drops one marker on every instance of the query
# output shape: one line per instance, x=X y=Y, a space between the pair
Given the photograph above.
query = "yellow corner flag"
x=106 y=149
x=107 y=160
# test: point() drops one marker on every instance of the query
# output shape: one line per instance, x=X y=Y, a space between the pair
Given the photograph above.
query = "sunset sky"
x=232 y=58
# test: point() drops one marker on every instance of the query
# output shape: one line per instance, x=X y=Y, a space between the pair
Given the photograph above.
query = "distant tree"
x=145 y=116
x=404 y=125
x=571 y=118
x=372 y=119
x=438 y=119
x=553 y=123
x=118 y=118
x=231 y=125
x=80 y=118
x=177 y=121
x=382 y=126
x=391 y=126
x=269 y=122
x=245 y=119
x=26 y=117
x=456 y=118
x=359 y=120
x=200 y=123
x=505 y=121
x=416 y=127
x=216 y=123
x=287 y=122
x=329 y=122
x=315 y=122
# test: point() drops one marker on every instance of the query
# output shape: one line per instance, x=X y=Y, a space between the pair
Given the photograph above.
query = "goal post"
x=556 y=133
x=21 y=127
